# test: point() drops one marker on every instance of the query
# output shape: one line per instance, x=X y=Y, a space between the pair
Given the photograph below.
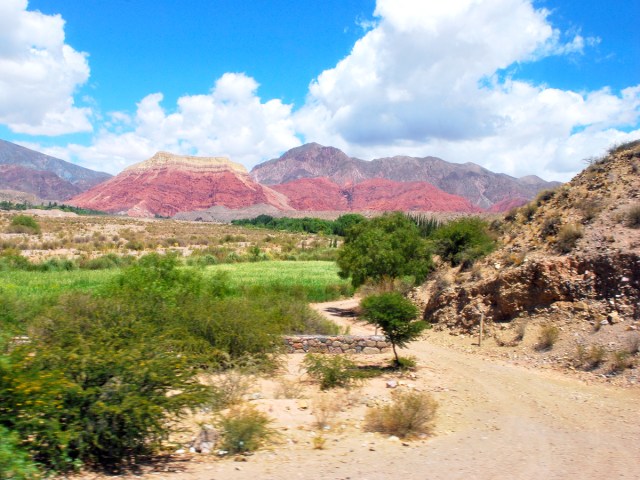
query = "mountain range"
x=482 y=187
x=23 y=170
x=307 y=178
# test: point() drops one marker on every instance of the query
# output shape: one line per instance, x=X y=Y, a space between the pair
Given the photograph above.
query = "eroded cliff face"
x=595 y=286
x=167 y=184
x=574 y=251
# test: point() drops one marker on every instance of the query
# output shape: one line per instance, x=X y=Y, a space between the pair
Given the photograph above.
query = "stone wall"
x=367 y=344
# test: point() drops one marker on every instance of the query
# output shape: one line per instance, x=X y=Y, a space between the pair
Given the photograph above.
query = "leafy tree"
x=344 y=222
x=396 y=316
x=463 y=241
x=388 y=246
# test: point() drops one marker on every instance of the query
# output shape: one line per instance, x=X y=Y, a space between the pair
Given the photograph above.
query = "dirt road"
x=496 y=421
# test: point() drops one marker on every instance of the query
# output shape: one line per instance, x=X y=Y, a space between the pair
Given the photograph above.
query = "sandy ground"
x=496 y=420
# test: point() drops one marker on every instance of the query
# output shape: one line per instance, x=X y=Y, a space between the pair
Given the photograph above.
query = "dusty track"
x=496 y=421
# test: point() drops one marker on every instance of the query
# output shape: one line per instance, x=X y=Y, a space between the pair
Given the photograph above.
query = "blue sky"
x=514 y=85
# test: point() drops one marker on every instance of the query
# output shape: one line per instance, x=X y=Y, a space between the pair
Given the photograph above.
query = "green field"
x=319 y=279
x=42 y=284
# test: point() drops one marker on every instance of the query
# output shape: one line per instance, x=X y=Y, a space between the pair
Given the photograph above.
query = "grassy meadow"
x=318 y=279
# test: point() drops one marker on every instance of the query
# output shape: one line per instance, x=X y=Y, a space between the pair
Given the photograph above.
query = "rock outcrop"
x=167 y=184
x=575 y=248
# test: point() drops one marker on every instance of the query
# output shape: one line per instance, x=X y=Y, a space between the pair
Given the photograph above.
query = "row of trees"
x=338 y=226
x=393 y=246
x=396 y=246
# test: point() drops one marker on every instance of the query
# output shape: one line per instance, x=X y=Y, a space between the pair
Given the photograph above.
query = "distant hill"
x=478 y=185
x=167 y=184
x=48 y=178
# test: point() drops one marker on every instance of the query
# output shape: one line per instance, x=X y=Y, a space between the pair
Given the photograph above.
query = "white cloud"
x=426 y=78
x=39 y=73
x=426 y=81
x=229 y=121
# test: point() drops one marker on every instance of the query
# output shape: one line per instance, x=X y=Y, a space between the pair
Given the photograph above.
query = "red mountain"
x=373 y=194
x=480 y=186
x=167 y=184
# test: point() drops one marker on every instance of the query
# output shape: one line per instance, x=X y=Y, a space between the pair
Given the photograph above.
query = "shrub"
x=548 y=337
x=591 y=358
x=463 y=241
x=407 y=363
x=568 y=236
x=409 y=414
x=544 y=196
x=632 y=217
x=589 y=207
x=319 y=442
x=104 y=262
x=512 y=214
x=288 y=389
x=550 y=226
x=325 y=407
x=228 y=388
x=94 y=387
x=528 y=211
x=620 y=361
x=15 y=463
x=330 y=370
x=244 y=429
x=24 y=224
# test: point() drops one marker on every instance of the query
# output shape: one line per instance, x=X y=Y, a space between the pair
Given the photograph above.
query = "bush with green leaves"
x=94 y=386
x=24 y=224
x=331 y=371
x=396 y=316
x=15 y=462
x=549 y=335
x=244 y=429
x=462 y=241
x=385 y=247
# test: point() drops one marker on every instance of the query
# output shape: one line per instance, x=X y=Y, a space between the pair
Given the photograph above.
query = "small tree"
x=396 y=316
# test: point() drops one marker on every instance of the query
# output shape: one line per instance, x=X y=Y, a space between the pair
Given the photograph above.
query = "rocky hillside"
x=570 y=259
x=379 y=194
x=167 y=184
x=478 y=185
x=48 y=178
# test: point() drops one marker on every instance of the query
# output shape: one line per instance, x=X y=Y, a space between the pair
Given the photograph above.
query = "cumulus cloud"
x=230 y=120
x=39 y=73
x=429 y=79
